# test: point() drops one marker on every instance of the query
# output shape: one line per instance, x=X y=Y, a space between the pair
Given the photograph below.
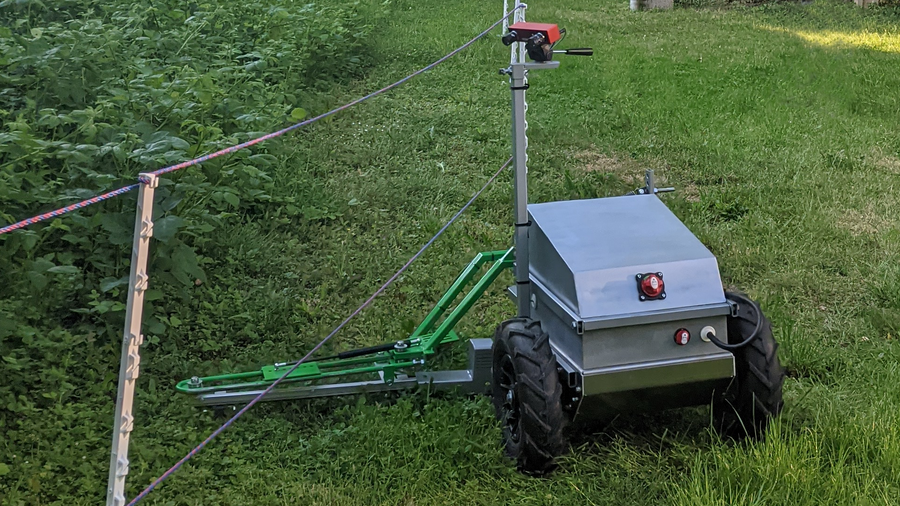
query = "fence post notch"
x=129 y=366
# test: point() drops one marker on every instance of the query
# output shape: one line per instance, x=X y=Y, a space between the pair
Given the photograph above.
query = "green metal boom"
x=404 y=354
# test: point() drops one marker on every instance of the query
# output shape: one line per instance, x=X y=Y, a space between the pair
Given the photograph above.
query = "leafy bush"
x=94 y=92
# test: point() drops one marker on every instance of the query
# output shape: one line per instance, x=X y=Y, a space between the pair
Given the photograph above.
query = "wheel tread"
x=755 y=397
x=542 y=420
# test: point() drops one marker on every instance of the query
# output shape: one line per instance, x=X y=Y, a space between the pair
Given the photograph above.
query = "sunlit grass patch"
x=879 y=41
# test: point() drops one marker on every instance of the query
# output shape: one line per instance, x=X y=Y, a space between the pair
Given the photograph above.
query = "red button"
x=652 y=285
x=682 y=336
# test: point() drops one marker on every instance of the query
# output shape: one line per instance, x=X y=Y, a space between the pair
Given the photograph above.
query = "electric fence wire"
x=327 y=338
x=63 y=210
x=237 y=147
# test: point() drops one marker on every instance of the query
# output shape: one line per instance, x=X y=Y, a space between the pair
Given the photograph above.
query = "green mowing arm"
x=381 y=366
x=501 y=260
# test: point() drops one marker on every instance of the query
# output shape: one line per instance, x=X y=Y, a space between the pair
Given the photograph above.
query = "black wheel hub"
x=510 y=409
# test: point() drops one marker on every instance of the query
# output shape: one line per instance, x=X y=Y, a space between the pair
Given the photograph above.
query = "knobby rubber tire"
x=754 y=397
x=522 y=349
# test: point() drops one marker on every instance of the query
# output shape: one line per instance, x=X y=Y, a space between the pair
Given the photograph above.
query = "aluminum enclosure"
x=584 y=256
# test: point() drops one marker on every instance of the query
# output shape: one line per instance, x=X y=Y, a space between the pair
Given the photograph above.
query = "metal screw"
x=663 y=296
x=643 y=298
x=578 y=389
x=574 y=399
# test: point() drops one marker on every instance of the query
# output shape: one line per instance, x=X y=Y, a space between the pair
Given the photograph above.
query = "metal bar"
x=232 y=376
x=650 y=181
x=518 y=74
x=468 y=301
x=196 y=384
x=455 y=289
x=343 y=362
x=520 y=184
x=293 y=378
x=129 y=366
x=228 y=397
x=461 y=281
x=359 y=370
x=380 y=357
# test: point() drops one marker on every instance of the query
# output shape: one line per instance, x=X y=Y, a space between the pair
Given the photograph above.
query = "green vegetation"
x=779 y=124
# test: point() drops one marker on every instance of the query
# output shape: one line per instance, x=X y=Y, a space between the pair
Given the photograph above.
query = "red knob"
x=652 y=285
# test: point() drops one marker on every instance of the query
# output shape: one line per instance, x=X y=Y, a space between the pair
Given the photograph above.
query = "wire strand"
x=63 y=210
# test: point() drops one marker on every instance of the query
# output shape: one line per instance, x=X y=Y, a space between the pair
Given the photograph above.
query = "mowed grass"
x=780 y=127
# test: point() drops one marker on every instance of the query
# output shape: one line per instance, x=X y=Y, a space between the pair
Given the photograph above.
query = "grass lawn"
x=779 y=125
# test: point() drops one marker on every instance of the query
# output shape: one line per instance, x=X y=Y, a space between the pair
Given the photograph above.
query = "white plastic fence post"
x=517 y=49
x=506 y=19
x=129 y=367
x=519 y=17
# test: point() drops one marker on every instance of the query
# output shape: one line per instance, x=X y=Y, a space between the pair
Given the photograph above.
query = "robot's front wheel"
x=527 y=395
x=754 y=396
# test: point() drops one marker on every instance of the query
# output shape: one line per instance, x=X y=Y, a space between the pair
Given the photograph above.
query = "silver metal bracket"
x=571 y=378
x=734 y=307
x=650 y=185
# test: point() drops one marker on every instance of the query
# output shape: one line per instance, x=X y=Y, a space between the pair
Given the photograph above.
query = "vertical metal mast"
x=518 y=84
x=520 y=183
x=129 y=368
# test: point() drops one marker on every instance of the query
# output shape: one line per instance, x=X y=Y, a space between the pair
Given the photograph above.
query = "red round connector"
x=682 y=336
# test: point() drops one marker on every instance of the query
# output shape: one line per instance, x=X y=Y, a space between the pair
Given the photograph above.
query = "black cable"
x=745 y=342
x=562 y=36
x=361 y=352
